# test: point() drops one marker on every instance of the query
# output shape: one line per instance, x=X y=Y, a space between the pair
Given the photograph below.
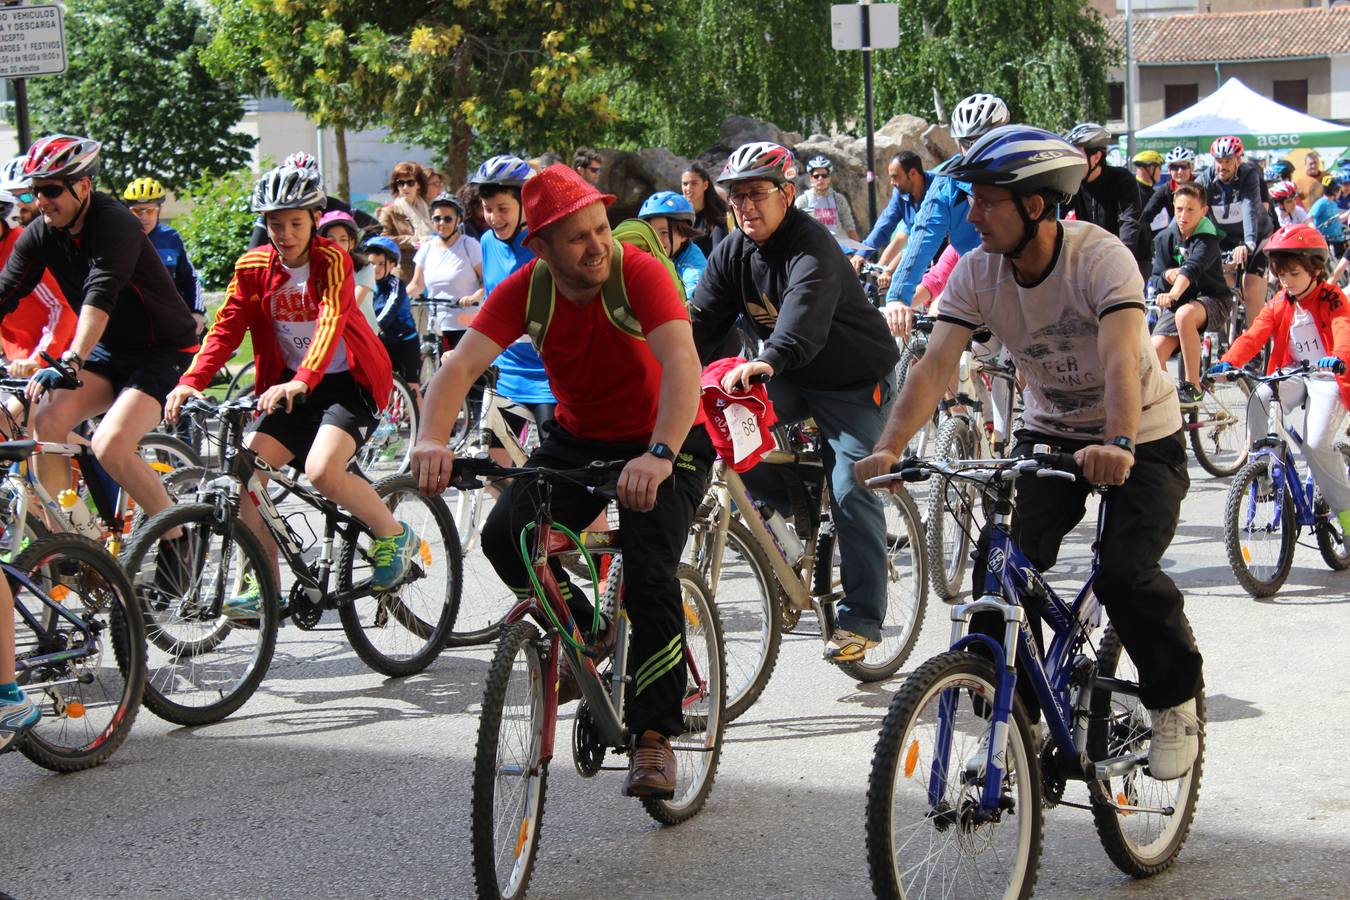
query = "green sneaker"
x=242 y=609
x=391 y=557
x=1344 y=518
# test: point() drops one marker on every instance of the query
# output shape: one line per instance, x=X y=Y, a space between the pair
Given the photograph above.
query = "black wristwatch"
x=72 y=359
x=662 y=451
x=1123 y=443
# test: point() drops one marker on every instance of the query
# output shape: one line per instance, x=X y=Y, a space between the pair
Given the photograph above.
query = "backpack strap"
x=539 y=302
x=614 y=294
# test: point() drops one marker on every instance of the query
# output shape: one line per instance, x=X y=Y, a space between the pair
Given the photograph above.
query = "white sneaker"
x=1176 y=741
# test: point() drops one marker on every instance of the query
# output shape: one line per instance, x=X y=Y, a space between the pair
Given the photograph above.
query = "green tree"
x=217 y=229
x=136 y=83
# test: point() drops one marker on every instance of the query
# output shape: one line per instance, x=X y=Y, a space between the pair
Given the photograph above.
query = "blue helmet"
x=507 y=171
x=1025 y=160
x=668 y=204
x=381 y=244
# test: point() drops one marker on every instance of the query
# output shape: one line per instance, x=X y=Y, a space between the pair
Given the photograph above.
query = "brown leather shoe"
x=568 y=689
x=651 y=772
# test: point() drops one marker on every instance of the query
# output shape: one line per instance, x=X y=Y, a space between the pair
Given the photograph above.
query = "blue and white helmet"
x=507 y=171
x=1025 y=160
x=668 y=204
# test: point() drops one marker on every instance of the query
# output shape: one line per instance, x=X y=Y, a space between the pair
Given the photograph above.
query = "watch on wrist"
x=662 y=451
x=1123 y=443
x=72 y=359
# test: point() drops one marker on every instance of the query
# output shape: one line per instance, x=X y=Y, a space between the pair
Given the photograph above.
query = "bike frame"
x=469 y=508
x=27 y=487
x=1284 y=472
x=29 y=663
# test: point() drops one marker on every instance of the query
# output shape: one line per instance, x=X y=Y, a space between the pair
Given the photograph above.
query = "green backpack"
x=542 y=294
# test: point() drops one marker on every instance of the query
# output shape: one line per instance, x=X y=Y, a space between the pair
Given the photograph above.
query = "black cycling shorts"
x=154 y=372
x=337 y=400
x=406 y=356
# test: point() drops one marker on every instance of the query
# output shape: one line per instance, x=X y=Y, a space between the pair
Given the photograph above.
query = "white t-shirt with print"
x=1051 y=329
x=450 y=272
x=1305 y=344
x=294 y=316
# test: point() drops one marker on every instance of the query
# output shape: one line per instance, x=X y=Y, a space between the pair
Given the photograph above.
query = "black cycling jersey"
x=1235 y=206
x=802 y=297
x=1111 y=201
x=111 y=265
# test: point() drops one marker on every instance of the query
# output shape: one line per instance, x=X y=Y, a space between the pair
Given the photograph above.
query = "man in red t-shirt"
x=619 y=396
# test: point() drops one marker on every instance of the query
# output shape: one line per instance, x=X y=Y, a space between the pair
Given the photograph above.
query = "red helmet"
x=1226 y=146
x=62 y=156
x=1283 y=190
x=1304 y=240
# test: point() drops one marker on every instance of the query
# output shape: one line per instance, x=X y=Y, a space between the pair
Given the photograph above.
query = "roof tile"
x=1230 y=37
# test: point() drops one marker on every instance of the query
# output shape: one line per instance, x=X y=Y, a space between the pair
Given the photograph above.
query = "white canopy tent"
x=1261 y=123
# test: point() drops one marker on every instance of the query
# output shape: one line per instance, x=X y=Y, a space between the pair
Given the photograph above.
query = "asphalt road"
x=334 y=781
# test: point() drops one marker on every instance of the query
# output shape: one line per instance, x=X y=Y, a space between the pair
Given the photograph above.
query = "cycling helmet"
x=445 y=198
x=1025 y=160
x=761 y=159
x=1284 y=167
x=977 y=115
x=1303 y=240
x=507 y=171
x=62 y=156
x=668 y=204
x=1148 y=158
x=820 y=162
x=287 y=187
x=1225 y=146
x=7 y=202
x=1089 y=136
x=383 y=245
x=1180 y=156
x=12 y=177
x=144 y=190
x=339 y=217
x=1283 y=190
x=301 y=160
x=1333 y=180
x=1271 y=174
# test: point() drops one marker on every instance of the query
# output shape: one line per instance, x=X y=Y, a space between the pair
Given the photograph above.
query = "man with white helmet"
x=1067 y=300
x=1157 y=206
x=823 y=203
x=942 y=217
x=826 y=349
x=1237 y=199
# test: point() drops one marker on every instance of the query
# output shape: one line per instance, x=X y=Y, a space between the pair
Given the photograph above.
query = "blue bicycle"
x=1270 y=502
x=960 y=774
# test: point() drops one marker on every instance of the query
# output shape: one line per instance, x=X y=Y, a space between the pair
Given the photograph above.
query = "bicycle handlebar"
x=1042 y=464
x=1283 y=373
x=600 y=477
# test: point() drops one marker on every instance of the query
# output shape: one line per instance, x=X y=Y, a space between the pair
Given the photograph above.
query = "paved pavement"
x=336 y=781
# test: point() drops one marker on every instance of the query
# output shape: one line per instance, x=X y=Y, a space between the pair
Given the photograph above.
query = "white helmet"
x=287 y=187
x=977 y=115
x=12 y=177
x=1179 y=154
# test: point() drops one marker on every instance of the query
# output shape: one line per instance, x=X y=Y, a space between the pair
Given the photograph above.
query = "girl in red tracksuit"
x=296 y=297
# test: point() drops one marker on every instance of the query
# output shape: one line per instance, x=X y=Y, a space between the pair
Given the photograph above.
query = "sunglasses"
x=404 y=181
x=439 y=219
x=820 y=176
x=50 y=191
x=25 y=197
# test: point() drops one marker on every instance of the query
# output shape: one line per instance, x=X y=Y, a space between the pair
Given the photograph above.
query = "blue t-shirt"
x=522 y=378
x=690 y=263
x=169 y=245
x=1326 y=216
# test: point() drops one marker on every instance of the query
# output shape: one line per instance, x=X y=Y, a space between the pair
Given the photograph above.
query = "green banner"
x=1251 y=142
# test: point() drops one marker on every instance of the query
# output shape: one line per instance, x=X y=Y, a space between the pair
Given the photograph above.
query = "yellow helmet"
x=1148 y=158
x=144 y=190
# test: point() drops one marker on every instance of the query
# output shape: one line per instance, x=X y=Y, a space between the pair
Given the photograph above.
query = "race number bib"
x=744 y=427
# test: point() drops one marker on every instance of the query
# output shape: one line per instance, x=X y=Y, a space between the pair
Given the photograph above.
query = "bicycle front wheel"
x=1258 y=528
x=951 y=509
x=906 y=591
x=400 y=632
x=1218 y=427
x=202 y=667
x=924 y=837
x=1139 y=843
x=89 y=702
x=699 y=748
x=509 y=776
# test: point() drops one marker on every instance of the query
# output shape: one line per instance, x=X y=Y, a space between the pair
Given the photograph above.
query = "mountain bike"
x=388 y=450
x=764 y=581
x=959 y=777
x=202 y=666
x=1270 y=502
x=79 y=647
x=520 y=703
x=430 y=351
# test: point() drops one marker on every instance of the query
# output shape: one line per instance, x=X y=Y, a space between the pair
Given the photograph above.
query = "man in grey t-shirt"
x=1066 y=299
x=826 y=205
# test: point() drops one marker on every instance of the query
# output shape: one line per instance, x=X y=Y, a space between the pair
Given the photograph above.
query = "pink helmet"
x=339 y=217
x=1228 y=145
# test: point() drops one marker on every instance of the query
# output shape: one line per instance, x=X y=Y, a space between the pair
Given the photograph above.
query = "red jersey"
x=259 y=278
x=608 y=384
x=42 y=321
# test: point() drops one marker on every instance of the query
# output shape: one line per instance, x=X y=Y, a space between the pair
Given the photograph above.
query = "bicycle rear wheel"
x=951 y=506
x=88 y=703
x=923 y=837
x=699 y=748
x=388 y=451
x=400 y=632
x=202 y=667
x=906 y=591
x=1139 y=843
x=1258 y=528
x=1332 y=541
x=242 y=382
x=509 y=777
x=1218 y=427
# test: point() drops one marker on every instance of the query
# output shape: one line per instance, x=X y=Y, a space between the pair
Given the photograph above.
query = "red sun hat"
x=554 y=194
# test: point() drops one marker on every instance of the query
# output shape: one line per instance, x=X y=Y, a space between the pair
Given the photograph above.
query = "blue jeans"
x=850 y=420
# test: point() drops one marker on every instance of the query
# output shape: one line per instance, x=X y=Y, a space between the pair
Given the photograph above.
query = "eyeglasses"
x=440 y=219
x=1178 y=167
x=403 y=182
x=741 y=198
x=987 y=206
x=819 y=176
x=50 y=191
